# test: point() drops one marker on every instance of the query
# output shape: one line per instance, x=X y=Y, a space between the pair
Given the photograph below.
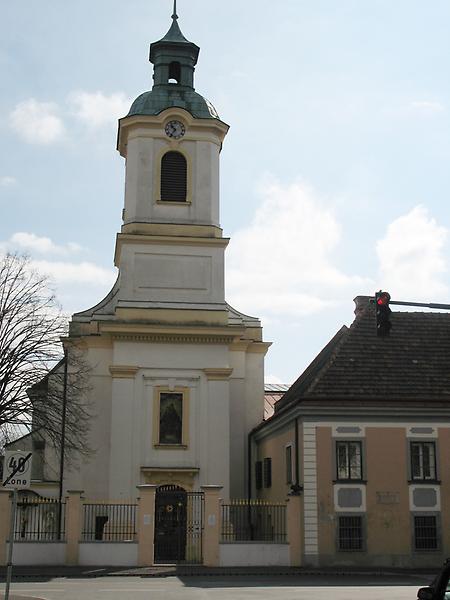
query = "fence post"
x=5 y=512
x=294 y=524
x=211 y=531
x=74 y=521
x=146 y=524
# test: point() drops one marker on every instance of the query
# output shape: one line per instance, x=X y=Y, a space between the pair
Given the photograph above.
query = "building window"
x=173 y=177
x=174 y=72
x=289 y=464
x=423 y=461
x=258 y=475
x=425 y=533
x=349 y=460
x=171 y=418
x=267 y=472
x=350 y=533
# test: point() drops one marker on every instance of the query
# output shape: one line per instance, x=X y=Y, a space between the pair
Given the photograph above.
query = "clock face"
x=175 y=129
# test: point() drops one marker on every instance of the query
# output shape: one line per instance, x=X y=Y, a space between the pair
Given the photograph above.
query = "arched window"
x=174 y=72
x=173 y=177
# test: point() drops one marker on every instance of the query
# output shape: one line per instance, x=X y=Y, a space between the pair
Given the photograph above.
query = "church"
x=176 y=374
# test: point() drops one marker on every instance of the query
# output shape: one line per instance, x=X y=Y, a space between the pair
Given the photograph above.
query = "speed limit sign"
x=17 y=469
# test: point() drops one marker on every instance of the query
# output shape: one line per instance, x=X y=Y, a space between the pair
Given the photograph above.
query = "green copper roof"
x=174 y=34
x=165 y=96
x=174 y=59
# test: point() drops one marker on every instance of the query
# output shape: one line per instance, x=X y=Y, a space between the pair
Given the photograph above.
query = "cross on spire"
x=174 y=16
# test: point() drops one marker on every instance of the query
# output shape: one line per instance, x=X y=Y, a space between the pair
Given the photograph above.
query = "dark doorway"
x=178 y=525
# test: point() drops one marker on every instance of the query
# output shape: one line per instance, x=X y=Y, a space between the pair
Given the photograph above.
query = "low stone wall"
x=112 y=554
x=254 y=554
x=39 y=553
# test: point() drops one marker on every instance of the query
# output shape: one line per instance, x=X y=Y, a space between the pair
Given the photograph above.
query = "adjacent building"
x=364 y=436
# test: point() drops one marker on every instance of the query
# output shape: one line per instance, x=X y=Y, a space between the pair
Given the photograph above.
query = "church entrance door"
x=178 y=525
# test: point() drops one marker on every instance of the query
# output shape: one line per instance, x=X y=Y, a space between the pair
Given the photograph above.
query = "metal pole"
x=11 y=543
x=63 y=440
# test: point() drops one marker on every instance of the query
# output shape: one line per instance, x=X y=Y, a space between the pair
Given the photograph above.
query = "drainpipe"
x=63 y=439
x=296 y=488
x=249 y=466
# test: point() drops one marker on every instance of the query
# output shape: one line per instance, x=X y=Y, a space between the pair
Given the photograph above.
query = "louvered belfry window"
x=173 y=177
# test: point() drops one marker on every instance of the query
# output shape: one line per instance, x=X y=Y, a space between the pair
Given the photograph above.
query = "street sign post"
x=16 y=476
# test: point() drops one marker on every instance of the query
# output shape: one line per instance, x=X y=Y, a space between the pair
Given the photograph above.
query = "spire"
x=174 y=56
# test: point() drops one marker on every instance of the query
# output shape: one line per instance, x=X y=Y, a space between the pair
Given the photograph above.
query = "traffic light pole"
x=430 y=305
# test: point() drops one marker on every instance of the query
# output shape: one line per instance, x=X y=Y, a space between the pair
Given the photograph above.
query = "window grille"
x=267 y=472
x=258 y=475
x=425 y=533
x=423 y=460
x=349 y=460
x=350 y=533
x=173 y=177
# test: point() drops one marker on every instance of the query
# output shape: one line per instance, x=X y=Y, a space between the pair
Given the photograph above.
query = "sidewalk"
x=49 y=572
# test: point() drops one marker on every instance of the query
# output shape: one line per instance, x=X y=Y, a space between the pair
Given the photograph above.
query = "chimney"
x=362 y=303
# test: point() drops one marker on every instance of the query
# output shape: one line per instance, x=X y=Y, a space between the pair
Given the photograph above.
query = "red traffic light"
x=383 y=298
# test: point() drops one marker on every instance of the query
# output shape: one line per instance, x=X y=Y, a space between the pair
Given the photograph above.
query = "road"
x=316 y=587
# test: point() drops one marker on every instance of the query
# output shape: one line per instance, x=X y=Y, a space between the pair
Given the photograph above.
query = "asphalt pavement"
x=357 y=586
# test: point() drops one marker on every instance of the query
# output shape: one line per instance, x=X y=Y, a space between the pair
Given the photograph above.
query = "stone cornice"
x=142 y=239
x=259 y=347
x=164 y=338
x=219 y=374
x=123 y=371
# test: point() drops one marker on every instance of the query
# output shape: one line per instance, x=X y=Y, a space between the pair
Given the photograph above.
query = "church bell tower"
x=177 y=373
x=171 y=237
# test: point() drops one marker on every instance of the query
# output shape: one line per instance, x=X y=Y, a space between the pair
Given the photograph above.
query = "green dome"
x=162 y=97
x=174 y=58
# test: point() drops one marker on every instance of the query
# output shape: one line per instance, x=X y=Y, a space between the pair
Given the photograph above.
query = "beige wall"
x=387 y=506
x=388 y=525
x=274 y=447
x=444 y=476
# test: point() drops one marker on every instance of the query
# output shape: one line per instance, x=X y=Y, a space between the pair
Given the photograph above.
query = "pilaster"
x=146 y=524
x=211 y=531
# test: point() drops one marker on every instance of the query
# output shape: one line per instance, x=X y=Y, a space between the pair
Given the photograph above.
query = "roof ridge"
x=344 y=333
x=312 y=370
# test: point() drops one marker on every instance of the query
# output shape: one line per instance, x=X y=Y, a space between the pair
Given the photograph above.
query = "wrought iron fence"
x=253 y=520
x=109 y=522
x=40 y=520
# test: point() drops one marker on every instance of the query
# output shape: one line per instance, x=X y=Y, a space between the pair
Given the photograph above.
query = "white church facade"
x=176 y=373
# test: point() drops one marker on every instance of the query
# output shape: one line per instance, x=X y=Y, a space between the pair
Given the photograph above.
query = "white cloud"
x=37 y=122
x=273 y=379
x=282 y=263
x=412 y=259
x=30 y=242
x=97 y=109
x=7 y=181
x=88 y=273
x=427 y=107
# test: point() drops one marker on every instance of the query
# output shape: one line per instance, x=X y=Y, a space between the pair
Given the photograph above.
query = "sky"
x=335 y=178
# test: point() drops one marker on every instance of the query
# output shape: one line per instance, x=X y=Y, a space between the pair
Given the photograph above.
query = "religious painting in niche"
x=170 y=418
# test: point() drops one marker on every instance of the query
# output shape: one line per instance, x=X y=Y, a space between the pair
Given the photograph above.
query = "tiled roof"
x=413 y=362
x=272 y=393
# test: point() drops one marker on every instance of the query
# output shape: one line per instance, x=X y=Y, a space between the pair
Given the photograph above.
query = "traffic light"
x=383 y=313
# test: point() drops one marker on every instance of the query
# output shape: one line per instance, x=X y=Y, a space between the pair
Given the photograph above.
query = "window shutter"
x=267 y=472
x=258 y=474
x=173 y=177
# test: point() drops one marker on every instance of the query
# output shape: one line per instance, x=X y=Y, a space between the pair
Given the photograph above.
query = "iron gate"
x=178 y=525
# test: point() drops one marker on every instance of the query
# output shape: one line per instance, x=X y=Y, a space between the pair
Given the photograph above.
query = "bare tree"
x=34 y=384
